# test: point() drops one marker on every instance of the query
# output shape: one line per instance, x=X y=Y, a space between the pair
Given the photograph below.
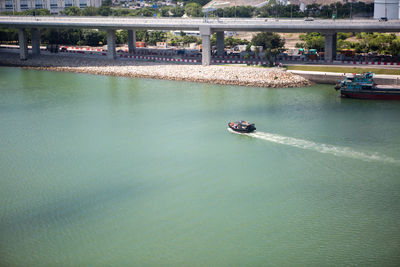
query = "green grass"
x=345 y=69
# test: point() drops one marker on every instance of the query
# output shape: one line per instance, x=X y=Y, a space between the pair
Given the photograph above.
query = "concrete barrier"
x=333 y=78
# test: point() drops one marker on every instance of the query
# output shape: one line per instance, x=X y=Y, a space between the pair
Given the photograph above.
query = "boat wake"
x=322 y=148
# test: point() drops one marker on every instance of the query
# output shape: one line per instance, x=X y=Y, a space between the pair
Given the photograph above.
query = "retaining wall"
x=333 y=78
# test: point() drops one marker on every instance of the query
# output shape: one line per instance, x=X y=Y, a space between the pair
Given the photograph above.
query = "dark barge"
x=362 y=86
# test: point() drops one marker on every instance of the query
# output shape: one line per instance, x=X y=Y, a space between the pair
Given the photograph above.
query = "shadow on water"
x=68 y=210
x=59 y=60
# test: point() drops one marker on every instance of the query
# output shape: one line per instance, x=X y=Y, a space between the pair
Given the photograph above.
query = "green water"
x=109 y=171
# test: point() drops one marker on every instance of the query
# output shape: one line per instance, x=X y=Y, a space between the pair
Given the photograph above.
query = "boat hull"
x=370 y=94
x=249 y=129
x=241 y=131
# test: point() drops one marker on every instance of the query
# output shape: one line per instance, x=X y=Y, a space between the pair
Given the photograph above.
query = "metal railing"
x=149 y=20
x=192 y=24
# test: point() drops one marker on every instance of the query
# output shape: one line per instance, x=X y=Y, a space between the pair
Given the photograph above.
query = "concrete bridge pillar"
x=220 y=43
x=205 y=33
x=23 y=44
x=111 y=53
x=35 y=36
x=330 y=46
x=131 y=41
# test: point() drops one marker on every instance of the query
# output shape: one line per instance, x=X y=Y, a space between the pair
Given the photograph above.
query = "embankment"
x=230 y=75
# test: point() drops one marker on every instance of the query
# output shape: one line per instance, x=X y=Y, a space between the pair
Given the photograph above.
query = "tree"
x=142 y=35
x=104 y=11
x=118 y=12
x=313 y=40
x=272 y=43
x=93 y=37
x=90 y=11
x=187 y=39
x=213 y=39
x=243 y=11
x=36 y=12
x=200 y=2
x=268 y=40
x=165 y=11
x=377 y=42
x=287 y=11
x=174 y=41
x=157 y=36
x=8 y=35
x=239 y=11
x=177 y=11
x=343 y=44
x=232 y=42
x=194 y=10
x=122 y=37
x=268 y=10
x=143 y=12
x=50 y=36
x=69 y=36
x=72 y=11
x=313 y=10
x=394 y=48
x=106 y=3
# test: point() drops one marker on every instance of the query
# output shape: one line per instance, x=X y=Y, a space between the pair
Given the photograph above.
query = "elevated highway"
x=222 y=24
x=206 y=27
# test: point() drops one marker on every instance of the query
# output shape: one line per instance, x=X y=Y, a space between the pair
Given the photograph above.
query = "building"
x=55 y=6
x=190 y=33
x=386 y=9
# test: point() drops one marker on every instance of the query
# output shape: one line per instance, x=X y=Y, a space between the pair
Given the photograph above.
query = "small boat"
x=242 y=126
x=363 y=86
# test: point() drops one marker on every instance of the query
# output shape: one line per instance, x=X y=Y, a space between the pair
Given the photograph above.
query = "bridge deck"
x=222 y=24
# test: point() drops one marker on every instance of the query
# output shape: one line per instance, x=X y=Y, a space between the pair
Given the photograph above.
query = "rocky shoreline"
x=227 y=75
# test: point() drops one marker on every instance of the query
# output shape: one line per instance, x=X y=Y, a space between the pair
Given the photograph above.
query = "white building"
x=386 y=9
x=190 y=33
x=55 y=6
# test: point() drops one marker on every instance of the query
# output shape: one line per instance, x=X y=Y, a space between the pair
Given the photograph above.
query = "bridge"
x=206 y=27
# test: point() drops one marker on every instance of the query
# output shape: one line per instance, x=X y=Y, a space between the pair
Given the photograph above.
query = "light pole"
x=351 y=8
x=291 y=11
x=235 y=9
x=385 y=10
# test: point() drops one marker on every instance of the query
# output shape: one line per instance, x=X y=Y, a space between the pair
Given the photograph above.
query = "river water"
x=111 y=171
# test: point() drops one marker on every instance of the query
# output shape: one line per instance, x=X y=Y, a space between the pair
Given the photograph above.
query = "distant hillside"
x=257 y=2
x=325 y=2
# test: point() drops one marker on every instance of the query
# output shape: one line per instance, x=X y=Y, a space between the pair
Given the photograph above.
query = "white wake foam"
x=322 y=148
